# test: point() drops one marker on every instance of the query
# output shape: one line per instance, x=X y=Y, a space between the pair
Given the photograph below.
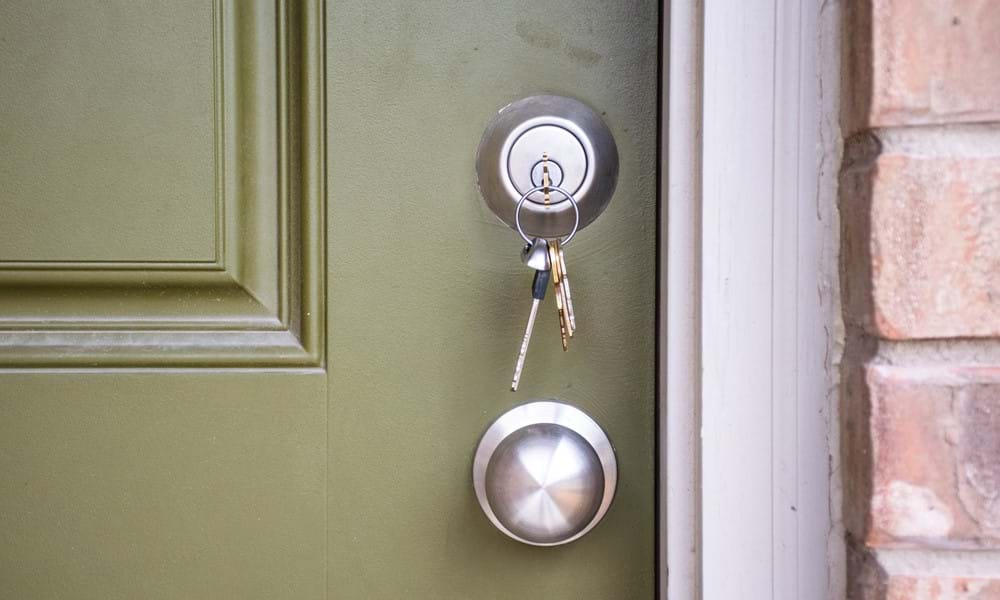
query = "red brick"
x=922 y=61
x=935 y=457
x=870 y=581
x=942 y=588
x=930 y=233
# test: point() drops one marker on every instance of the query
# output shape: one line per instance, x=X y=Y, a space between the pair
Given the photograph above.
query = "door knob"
x=545 y=473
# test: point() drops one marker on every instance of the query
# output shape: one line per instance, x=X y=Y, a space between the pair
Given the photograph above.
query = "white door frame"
x=749 y=312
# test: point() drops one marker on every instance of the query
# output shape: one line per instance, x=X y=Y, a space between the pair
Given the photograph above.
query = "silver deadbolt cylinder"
x=582 y=159
x=545 y=473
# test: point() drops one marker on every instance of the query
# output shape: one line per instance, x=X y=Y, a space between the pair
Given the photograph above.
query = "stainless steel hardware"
x=538 y=286
x=582 y=159
x=545 y=473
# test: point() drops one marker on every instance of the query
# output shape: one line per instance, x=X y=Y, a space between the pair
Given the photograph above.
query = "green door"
x=254 y=315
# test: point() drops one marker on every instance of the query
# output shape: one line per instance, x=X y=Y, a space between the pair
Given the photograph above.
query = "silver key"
x=535 y=256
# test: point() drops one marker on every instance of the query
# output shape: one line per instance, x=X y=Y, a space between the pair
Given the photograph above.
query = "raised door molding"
x=260 y=301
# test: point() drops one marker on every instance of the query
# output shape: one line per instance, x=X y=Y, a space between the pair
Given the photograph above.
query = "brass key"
x=564 y=327
x=565 y=331
x=567 y=295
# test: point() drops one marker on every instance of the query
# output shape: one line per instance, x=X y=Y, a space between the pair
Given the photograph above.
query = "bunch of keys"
x=549 y=262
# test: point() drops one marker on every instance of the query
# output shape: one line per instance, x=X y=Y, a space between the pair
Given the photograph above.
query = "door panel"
x=428 y=297
x=161 y=207
x=257 y=297
x=254 y=315
x=88 y=86
x=162 y=485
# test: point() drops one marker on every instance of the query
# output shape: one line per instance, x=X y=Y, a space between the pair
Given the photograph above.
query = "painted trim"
x=748 y=301
x=680 y=309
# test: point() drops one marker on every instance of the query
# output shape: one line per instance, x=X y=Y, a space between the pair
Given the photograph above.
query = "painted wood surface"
x=751 y=312
x=264 y=373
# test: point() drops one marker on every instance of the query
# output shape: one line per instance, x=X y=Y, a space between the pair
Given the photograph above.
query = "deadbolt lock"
x=582 y=159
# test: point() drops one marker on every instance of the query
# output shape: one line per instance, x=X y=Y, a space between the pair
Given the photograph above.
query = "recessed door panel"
x=250 y=129
x=107 y=131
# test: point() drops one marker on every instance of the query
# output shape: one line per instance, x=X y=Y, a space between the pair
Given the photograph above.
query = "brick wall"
x=920 y=267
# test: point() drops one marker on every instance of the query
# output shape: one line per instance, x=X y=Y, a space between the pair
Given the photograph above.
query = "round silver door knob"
x=545 y=473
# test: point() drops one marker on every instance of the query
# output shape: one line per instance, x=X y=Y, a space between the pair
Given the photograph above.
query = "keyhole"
x=555 y=173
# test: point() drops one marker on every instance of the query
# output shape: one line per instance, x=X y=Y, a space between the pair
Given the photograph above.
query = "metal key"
x=567 y=295
x=564 y=328
x=535 y=256
x=565 y=331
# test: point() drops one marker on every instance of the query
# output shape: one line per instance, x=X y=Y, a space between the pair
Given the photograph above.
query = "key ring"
x=569 y=196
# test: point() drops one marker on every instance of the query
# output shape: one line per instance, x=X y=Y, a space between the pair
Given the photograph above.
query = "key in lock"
x=583 y=160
